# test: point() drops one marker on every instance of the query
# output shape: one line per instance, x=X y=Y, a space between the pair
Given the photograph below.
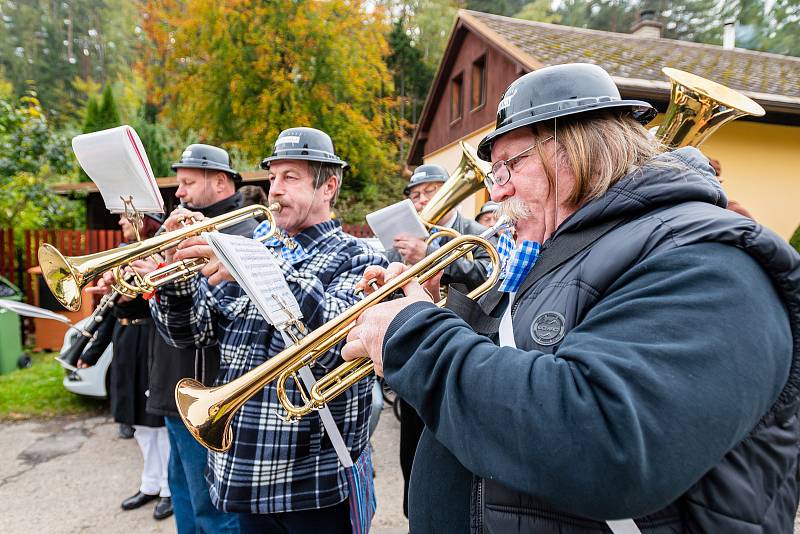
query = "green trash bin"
x=10 y=332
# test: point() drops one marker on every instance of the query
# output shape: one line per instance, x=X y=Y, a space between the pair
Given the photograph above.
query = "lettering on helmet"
x=286 y=139
x=186 y=154
x=422 y=174
x=506 y=101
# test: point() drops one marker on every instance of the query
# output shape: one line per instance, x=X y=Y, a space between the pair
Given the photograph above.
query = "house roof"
x=634 y=62
x=629 y=56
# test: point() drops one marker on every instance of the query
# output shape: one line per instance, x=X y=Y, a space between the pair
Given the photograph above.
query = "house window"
x=478 y=86
x=456 y=97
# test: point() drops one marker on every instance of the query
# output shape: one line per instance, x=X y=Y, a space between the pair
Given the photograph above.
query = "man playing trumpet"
x=279 y=476
x=642 y=377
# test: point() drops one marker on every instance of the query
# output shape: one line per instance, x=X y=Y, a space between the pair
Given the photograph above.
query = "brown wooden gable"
x=466 y=45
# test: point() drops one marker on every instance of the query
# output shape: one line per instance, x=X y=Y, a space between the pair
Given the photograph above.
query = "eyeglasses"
x=428 y=192
x=501 y=170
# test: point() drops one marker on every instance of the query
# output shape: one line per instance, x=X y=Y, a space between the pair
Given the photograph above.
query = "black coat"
x=128 y=373
x=169 y=364
x=129 y=368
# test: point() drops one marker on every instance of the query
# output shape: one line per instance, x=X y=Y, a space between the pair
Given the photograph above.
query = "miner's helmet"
x=307 y=144
x=426 y=174
x=209 y=157
x=488 y=207
x=559 y=91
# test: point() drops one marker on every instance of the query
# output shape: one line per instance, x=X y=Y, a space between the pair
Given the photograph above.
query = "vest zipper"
x=479 y=506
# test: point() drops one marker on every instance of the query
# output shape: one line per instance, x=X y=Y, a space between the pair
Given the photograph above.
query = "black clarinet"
x=73 y=353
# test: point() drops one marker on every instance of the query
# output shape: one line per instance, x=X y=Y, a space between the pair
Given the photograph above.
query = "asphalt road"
x=70 y=475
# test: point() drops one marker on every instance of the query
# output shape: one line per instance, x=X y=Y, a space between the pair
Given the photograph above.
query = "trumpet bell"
x=467 y=178
x=200 y=412
x=63 y=279
x=698 y=107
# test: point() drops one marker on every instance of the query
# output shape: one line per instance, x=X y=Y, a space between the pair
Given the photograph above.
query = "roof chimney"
x=729 y=35
x=647 y=26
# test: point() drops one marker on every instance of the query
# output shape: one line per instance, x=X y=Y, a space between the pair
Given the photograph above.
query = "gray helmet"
x=488 y=207
x=200 y=156
x=558 y=91
x=307 y=144
x=425 y=174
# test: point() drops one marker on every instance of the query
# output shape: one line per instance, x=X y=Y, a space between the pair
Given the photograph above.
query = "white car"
x=92 y=381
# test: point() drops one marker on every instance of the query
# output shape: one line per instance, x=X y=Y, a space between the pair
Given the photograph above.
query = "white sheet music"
x=32 y=311
x=398 y=218
x=116 y=161
x=256 y=269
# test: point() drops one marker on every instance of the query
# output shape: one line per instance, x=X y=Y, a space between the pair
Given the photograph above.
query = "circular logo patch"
x=548 y=328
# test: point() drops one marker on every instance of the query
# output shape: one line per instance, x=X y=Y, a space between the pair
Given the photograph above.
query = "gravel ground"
x=70 y=475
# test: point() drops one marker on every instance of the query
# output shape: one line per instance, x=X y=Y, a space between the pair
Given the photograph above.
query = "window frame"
x=458 y=80
x=482 y=97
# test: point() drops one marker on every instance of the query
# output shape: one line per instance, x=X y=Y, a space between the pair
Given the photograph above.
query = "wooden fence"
x=19 y=260
x=8 y=255
x=16 y=261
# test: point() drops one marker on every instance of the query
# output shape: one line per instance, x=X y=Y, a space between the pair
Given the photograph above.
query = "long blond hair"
x=599 y=147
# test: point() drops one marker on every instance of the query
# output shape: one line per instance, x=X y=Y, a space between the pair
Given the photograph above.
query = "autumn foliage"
x=239 y=72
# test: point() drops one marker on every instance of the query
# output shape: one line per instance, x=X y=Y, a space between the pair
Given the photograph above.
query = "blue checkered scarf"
x=517 y=261
x=293 y=254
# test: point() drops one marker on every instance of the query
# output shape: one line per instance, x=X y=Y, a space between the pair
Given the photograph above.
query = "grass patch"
x=38 y=392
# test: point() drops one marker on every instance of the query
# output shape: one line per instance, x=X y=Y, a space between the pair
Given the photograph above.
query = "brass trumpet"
x=467 y=178
x=67 y=276
x=698 y=107
x=208 y=411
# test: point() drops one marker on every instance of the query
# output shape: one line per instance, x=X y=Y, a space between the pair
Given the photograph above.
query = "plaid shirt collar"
x=303 y=245
x=517 y=261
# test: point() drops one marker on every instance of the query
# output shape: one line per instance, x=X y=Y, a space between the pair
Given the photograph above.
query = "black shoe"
x=125 y=431
x=163 y=508
x=140 y=499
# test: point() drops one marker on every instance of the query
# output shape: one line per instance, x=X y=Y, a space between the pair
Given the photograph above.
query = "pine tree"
x=90 y=122
x=108 y=116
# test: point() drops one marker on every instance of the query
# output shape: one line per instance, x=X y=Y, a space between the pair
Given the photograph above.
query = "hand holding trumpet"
x=366 y=337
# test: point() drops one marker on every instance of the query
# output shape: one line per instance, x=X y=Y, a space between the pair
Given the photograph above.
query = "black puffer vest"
x=755 y=487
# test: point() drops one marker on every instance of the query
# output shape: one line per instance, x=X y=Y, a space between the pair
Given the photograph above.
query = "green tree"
x=412 y=78
x=498 y=7
x=107 y=114
x=154 y=139
x=32 y=157
x=540 y=11
x=795 y=240
x=54 y=43
x=91 y=120
x=321 y=64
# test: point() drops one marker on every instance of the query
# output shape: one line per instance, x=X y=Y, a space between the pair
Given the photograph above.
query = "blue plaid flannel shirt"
x=516 y=261
x=275 y=466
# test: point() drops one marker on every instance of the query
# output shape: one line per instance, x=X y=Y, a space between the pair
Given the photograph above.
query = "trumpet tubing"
x=208 y=412
x=67 y=276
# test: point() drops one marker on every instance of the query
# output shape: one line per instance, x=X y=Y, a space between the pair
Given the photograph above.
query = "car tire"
x=24 y=361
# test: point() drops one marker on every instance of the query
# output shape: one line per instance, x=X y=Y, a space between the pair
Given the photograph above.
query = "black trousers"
x=411 y=427
x=329 y=520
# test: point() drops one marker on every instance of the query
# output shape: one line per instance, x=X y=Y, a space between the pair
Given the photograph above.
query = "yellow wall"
x=760 y=169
